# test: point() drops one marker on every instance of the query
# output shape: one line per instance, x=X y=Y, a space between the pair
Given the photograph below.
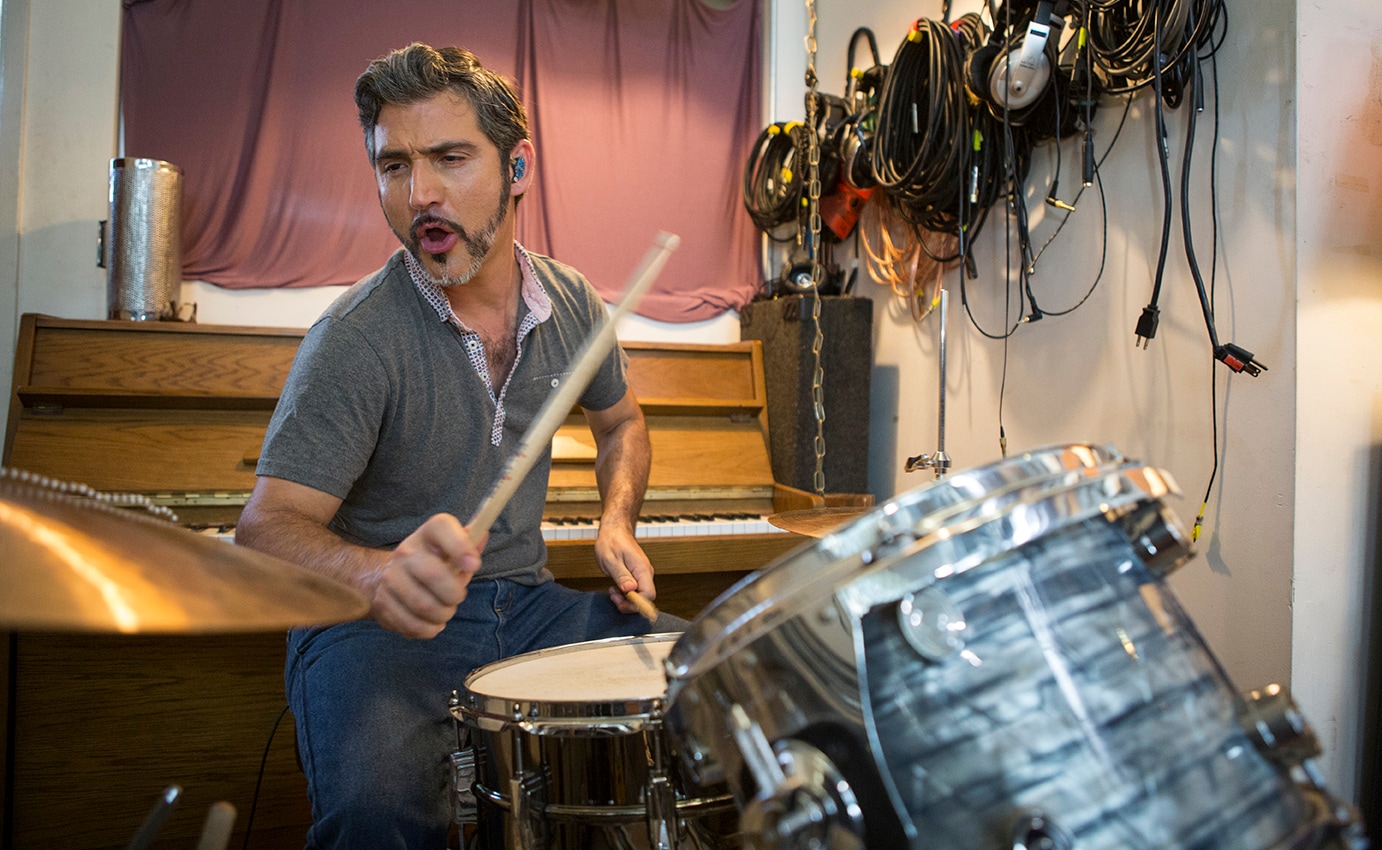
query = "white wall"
x=60 y=67
x=1275 y=522
x=68 y=139
x=1338 y=197
x=14 y=25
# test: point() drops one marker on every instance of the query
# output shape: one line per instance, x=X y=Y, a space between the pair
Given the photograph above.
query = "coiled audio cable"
x=773 y=174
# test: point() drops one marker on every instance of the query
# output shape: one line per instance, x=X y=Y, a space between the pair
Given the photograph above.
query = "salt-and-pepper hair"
x=418 y=72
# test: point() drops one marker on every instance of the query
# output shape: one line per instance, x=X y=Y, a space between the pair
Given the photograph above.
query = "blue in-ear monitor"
x=520 y=166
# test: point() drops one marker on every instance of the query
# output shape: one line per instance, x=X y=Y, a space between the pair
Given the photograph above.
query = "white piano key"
x=660 y=529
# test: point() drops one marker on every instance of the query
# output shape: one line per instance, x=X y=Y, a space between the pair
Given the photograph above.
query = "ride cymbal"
x=78 y=564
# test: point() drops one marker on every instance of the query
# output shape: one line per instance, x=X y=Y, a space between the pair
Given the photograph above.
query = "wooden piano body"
x=99 y=725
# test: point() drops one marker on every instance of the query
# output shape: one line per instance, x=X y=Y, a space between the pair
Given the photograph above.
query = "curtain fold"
x=643 y=114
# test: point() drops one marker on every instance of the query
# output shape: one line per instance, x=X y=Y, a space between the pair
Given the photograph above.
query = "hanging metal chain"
x=817 y=270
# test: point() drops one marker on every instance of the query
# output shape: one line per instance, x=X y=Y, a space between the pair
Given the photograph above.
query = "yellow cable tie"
x=1084 y=34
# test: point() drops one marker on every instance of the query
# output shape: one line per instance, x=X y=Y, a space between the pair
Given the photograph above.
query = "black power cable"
x=258 y=782
x=1151 y=314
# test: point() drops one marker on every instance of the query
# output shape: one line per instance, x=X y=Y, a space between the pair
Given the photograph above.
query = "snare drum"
x=992 y=662
x=569 y=752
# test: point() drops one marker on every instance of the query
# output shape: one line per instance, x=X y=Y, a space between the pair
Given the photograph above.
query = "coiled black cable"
x=1126 y=36
x=922 y=142
x=773 y=178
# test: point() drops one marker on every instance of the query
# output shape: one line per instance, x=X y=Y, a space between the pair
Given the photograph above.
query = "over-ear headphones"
x=1011 y=74
x=520 y=167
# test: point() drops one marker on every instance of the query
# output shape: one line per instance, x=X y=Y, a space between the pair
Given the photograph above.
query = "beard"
x=477 y=245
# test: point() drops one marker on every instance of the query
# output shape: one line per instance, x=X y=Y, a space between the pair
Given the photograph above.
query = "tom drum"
x=991 y=661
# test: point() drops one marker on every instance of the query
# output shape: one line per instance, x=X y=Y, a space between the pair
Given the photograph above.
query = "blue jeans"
x=374 y=728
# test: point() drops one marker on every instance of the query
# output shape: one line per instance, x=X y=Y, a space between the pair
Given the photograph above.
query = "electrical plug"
x=1238 y=359
x=1146 y=325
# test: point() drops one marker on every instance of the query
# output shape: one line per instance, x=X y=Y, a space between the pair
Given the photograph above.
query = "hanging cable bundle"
x=922 y=143
x=903 y=258
x=1125 y=36
x=773 y=175
x=971 y=31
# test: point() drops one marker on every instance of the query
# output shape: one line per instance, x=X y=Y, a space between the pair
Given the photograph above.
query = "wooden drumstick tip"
x=670 y=241
x=646 y=608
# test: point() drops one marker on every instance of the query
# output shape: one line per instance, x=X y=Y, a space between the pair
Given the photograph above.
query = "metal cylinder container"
x=142 y=249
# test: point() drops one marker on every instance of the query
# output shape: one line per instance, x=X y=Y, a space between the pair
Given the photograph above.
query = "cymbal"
x=74 y=564
x=816 y=522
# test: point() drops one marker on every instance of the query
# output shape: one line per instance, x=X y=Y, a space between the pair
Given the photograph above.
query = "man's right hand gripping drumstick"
x=425 y=578
x=413 y=589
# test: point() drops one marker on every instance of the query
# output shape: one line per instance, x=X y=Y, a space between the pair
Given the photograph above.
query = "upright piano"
x=99 y=725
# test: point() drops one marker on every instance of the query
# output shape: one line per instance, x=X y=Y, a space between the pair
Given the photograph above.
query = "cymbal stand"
x=939 y=461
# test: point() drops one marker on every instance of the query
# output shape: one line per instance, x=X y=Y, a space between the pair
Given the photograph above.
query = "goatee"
x=477 y=247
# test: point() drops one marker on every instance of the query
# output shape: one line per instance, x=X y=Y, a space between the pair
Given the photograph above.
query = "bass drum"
x=992 y=661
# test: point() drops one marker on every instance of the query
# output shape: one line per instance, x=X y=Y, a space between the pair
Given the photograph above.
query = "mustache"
x=422 y=221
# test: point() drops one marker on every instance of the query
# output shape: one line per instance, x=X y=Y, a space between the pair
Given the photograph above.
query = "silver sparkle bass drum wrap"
x=992 y=661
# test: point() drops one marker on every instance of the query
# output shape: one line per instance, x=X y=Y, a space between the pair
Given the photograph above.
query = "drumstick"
x=646 y=608
x=558 y=405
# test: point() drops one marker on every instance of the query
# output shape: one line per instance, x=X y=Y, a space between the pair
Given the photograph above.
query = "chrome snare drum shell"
x=568 y=749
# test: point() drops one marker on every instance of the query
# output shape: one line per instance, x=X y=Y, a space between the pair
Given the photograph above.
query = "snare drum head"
x=617 y=677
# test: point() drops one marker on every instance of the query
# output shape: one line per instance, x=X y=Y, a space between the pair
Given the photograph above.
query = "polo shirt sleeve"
x=328 y=419
x=610 y=381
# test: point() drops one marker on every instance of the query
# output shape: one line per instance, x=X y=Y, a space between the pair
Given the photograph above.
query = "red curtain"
x=643 y=114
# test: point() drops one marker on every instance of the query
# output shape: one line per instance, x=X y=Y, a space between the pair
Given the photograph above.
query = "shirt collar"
x=539 y=304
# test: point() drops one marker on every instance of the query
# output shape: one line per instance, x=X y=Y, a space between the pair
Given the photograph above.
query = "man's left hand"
x=622 y=559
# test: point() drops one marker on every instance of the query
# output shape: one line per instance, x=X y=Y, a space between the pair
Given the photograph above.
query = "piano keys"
x=664 y=525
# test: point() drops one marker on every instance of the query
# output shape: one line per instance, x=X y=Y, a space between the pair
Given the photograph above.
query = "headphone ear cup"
x=977 y=67
x=1012 y=102
x=858 y=170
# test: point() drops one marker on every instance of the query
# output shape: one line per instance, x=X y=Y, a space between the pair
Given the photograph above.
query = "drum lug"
x=1277 y=728
x=932 y=623
x=1280 y=732
x=1156 y=536
x=661 y=795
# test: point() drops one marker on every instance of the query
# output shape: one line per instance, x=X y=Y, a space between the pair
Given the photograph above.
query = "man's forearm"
x=621 y=471
x=293 y=537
